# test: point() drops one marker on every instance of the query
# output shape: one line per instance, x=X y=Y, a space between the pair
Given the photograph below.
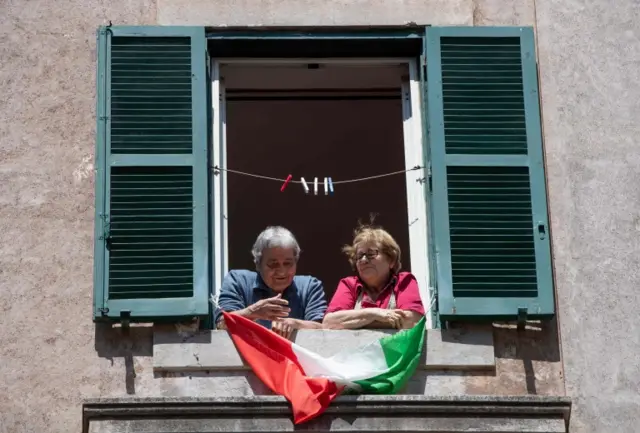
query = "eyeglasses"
x=370 y=255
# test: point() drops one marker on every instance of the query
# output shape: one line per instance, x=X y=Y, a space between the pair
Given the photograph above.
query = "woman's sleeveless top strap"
x=390 y=306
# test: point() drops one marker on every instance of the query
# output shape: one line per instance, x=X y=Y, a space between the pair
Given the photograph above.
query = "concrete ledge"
x=214 y=350
x=530 y=414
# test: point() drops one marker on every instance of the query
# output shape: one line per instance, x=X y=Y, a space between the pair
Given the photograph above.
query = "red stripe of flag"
x=272 y=359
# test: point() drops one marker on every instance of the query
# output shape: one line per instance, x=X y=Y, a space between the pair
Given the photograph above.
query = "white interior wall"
x=341 y=139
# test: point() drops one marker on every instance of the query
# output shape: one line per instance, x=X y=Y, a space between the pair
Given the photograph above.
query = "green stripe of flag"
x=402 y=352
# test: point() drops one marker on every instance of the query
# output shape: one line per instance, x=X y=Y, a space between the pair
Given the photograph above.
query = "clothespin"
x=326 y=186
x=330 y=186
x=315 y=186
x=286 y=182
x=304 y=185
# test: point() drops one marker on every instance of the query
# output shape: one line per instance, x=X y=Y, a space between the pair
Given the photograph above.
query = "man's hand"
x=284 y=327
x=269 y=309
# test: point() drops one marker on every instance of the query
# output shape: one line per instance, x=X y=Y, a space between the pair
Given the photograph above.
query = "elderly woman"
x=274 y=296
x=379 y=295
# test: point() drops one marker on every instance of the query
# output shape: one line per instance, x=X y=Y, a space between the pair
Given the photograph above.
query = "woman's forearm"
x=306 y=324
x=349 y=319
x=410 y=319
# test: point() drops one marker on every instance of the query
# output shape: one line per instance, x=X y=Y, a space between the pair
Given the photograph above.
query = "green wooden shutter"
x=488 y=197
x=151 y=253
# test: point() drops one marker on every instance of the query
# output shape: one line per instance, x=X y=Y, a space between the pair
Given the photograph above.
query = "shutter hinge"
x=427 y=178
x=103 y=311
x=522 y=318
x=103 y=118
x=106 y=230
x=423 y=65
x=125 y=320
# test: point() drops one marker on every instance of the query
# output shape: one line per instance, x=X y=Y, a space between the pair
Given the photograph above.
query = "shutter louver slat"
x=489 y=195
x=151 y=232
x=490 y=226
x=480 y=74
x=150 y=79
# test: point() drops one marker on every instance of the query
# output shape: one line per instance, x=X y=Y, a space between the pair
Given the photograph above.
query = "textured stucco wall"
x=345 y=12
x=589 y=53
x=52 y=356
x=47 y=88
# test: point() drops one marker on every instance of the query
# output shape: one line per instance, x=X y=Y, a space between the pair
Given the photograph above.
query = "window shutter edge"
x=487 y=308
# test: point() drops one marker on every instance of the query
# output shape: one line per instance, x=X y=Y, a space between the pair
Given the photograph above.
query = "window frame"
x=414 y=154
x=343 y=45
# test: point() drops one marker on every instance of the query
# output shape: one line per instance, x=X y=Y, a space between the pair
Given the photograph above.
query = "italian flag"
x=310 y=381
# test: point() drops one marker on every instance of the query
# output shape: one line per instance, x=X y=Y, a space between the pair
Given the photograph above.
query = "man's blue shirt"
x=242 y=288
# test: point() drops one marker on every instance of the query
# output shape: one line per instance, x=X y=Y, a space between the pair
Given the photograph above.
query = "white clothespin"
x=315 y=186
x=304 y=185
x=330 y=186
x=326 y=186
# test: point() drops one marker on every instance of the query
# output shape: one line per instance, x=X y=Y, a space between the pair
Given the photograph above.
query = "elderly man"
x=274 y=296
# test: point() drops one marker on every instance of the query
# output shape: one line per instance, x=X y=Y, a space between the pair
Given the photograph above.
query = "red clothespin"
x=286 y=182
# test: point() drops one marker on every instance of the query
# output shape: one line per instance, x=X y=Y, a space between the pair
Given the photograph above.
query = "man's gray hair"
x=274 y=237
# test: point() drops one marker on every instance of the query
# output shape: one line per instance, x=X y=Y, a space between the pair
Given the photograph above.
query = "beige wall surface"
x=589 y=55
x=52 y=356
x=47 y=121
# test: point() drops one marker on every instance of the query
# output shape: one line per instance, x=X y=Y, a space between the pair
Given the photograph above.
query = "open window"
x=345 y=119
x=169 y=225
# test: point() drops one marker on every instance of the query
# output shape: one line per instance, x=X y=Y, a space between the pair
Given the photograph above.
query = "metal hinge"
x=125 y=320
x=106 y=230
x=522 y=318
x=427 y=178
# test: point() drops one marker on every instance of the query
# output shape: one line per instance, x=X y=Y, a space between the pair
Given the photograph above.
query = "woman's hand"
x=284 y=327
x=268 y=309
x=393 y=318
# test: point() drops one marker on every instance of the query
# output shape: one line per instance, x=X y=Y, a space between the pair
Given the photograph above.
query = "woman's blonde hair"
x=387 y=245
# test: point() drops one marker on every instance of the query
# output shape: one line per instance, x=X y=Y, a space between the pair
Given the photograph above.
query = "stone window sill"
x=457 y=349
x=481 y=414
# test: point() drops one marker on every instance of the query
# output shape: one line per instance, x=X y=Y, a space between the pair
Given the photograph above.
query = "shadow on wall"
x=115 y=342
x=528 y=361
x=537 y=342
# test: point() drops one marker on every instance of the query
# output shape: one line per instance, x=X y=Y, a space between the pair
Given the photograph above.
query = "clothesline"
x=338 y=182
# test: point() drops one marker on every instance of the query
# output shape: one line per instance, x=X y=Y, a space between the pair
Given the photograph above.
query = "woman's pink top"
x=403 y=285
